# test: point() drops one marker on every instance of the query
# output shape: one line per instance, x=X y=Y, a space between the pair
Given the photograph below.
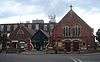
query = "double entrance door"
x=71 y=46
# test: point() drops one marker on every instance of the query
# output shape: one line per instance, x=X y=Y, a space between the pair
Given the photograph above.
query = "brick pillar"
x=79 y=46
x=71 y=46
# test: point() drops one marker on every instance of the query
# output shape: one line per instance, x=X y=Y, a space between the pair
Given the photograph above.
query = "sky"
x=16 y=11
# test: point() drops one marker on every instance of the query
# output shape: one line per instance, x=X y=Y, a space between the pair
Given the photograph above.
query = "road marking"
x=76 y=60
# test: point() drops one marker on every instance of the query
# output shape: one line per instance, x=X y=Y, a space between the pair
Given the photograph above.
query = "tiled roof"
x=30 y=31
x=21 y=32
x=72 y=16
x=44 y=32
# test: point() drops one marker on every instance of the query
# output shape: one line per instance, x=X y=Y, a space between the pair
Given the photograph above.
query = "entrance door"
x=68 y=46
x=39 y=46
x=40 y=37
x=75 y=46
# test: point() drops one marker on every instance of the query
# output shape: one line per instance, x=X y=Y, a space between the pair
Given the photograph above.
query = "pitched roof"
x=72 y=16
x=30 y=31
x=44 y=32
x=26 y=33
x=40 y=35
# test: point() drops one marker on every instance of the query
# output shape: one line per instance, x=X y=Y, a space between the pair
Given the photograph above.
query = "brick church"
x=71 y=34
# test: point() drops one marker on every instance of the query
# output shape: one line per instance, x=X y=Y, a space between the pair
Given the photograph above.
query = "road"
x=50 y=58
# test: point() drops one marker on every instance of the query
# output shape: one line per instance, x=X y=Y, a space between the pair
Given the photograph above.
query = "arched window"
x=66 y=31
x=77 y=31
x=73 y=32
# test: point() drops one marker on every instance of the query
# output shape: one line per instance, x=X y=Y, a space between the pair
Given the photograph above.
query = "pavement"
x=94 y=57
x=33 y=53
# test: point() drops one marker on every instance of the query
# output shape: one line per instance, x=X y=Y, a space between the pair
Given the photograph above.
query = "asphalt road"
x=50 y=58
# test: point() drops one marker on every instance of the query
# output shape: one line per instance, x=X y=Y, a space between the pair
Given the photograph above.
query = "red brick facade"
x=84 y=38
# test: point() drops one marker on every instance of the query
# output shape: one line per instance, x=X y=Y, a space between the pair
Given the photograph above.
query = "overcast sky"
x=12 y=11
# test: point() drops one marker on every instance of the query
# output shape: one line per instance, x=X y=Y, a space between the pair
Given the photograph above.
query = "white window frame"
x=66 y=32
x=77 y=30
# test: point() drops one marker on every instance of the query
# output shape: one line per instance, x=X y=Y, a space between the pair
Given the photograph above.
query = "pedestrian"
x=30 y=46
